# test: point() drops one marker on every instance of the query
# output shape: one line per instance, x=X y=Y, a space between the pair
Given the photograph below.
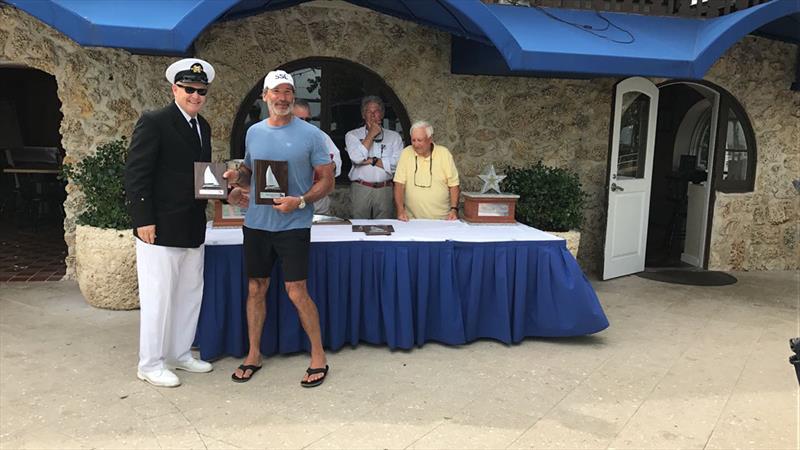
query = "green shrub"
x=550 y=197
x=101 y=179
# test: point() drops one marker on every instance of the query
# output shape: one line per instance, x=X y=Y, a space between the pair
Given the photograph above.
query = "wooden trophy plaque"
x=208 y=181
x=272 y=181
x=489 y=208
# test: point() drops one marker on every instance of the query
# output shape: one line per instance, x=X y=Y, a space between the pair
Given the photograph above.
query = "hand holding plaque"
x=208 y=181
x=272 y=181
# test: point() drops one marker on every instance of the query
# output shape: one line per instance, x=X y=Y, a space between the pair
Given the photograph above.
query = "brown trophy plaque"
x=272 y=181
x=489 y=208
x=208 y=181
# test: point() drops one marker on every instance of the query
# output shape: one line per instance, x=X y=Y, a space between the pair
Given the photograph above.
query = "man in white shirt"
x=302 y=110
x=374 y=152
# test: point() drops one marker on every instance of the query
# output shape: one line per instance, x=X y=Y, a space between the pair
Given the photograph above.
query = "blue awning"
x=488 y=39
x=163 y=27
x=543 y=41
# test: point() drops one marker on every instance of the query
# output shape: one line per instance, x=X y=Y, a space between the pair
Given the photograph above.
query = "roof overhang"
x=488 y=39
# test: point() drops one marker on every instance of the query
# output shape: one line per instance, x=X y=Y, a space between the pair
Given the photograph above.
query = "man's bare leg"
x=309 y=319
x=256 y=314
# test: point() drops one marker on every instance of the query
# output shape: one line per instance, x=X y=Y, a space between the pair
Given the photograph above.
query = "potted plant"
x=105 y=252
x=551 y=199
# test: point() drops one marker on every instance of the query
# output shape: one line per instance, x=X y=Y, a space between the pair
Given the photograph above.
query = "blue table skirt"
x=404 y=294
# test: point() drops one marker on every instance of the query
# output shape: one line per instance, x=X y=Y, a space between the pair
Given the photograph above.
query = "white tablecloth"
x=414 y=230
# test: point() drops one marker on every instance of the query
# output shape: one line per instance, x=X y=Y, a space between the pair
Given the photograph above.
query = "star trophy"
x=486 y=207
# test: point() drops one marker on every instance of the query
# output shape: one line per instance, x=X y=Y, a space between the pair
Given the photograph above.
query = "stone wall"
x=500 y=120
x=760 y=230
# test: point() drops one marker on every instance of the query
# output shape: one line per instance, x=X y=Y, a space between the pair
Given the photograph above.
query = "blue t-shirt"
x=302 y=146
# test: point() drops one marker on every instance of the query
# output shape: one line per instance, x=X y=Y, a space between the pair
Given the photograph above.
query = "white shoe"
x=161 y=377
x=193 y=365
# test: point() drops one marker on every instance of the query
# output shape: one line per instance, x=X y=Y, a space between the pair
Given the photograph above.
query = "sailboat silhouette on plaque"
x=272 y=179
x=207 y=178
x=272 y=182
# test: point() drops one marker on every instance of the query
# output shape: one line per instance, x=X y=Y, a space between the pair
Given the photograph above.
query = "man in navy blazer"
x=169 y=223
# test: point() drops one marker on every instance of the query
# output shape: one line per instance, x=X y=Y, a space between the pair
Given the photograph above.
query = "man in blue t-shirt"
x=281 y=231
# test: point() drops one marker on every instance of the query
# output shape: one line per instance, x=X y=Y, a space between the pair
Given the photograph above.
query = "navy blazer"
x=159 y=177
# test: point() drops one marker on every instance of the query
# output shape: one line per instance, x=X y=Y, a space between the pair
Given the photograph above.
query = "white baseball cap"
x=277 y=77
x=190 y=70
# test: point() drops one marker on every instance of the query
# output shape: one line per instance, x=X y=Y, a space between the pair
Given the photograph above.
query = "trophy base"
x=489 y=208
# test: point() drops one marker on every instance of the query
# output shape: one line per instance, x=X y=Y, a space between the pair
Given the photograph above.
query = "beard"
x=273 y=109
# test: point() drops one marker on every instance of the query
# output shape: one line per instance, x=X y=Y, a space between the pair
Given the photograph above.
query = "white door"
x=629 y=175
x=699 y=194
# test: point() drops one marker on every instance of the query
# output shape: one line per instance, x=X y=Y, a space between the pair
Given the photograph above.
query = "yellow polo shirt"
x=427 y=182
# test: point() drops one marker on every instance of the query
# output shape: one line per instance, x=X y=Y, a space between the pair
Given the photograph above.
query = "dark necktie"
x=194 y=130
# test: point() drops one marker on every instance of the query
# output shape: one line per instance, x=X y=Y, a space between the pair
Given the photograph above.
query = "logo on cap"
x=197 y=68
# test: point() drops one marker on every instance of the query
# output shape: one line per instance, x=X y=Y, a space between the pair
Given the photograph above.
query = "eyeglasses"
x=416 y=167
x=190 y=90
x=379 y=137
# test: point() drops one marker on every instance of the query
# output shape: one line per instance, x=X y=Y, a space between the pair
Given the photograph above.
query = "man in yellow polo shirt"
x=426 y=179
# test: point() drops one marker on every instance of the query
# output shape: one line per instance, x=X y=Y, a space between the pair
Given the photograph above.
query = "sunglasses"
x=190 y=90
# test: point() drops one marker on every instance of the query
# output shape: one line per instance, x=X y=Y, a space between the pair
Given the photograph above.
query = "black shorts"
x=263 y=248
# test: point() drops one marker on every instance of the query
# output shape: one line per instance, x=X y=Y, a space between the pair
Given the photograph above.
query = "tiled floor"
x=32 y=255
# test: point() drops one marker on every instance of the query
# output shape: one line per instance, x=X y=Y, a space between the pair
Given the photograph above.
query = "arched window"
x=701 y=135
x=334 y=89
x=735 y=159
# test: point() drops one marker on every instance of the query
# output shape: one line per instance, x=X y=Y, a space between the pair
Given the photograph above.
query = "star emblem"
x=491 y=180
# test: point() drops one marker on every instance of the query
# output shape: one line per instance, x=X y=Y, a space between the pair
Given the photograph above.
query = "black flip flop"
x=244 y=368
x=317 y=382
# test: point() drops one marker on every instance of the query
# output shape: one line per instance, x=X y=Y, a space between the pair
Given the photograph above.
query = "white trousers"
x=170 y=293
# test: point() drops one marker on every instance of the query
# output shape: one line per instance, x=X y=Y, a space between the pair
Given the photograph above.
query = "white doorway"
x=672 y=148
x=629 y=175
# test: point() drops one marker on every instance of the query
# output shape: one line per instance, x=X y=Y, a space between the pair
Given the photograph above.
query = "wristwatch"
x=374 y=160
x=454 y=208
x=302 y=203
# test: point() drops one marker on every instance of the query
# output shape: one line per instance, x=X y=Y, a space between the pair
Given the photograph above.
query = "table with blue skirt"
x=444 y=281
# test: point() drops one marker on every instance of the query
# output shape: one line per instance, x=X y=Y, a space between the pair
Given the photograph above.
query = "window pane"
x=700 y=140
x=735 y=166
x=736 y=151
x=735 y=136
x=307 y=86
x=633 y=135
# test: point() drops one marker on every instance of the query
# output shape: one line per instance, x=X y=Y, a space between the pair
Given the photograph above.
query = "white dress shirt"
x=189 y=121
x=388 y=150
